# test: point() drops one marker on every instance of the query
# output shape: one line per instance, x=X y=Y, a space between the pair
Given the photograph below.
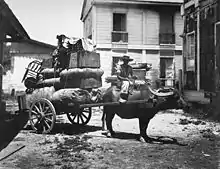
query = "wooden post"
x=198 y=50
x=180 y=80
x=1 y=73
x=3 y=27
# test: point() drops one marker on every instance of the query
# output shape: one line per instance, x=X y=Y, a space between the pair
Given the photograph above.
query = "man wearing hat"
x=124 y=73
x=60 y=54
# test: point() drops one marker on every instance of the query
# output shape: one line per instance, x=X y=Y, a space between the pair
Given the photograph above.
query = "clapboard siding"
x=134 y=26
x=88 y=25
x=178 y=25
x=103 y=24
x=152 y=23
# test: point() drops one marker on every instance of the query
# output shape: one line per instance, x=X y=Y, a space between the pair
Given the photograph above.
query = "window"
x=166 y=68
x=167 y=34
x=119 y=22
x=190 y=52
x=119 y=33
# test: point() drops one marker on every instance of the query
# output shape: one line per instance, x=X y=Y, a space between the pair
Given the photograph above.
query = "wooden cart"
x=42 y=114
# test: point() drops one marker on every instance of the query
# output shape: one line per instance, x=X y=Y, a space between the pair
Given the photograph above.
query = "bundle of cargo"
x=55 y=82
x=72 y=84
x=83 y=70
x=62 y=96
x=82 y=78
x=48 y=73
x=145 y=66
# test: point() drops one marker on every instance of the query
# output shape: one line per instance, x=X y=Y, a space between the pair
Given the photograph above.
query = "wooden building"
x=147 y=30
x=10 y=30
x=201 y=48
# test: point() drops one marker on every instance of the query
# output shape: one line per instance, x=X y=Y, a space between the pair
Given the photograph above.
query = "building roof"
x=156 y=2
x=42 y=44
x=149 y=2
x=11 y=24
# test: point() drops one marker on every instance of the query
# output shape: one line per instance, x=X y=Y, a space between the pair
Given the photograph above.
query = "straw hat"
x=125 y=57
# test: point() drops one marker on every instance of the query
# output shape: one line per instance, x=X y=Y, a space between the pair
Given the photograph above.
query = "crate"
x=84 y=59
x=73 y=60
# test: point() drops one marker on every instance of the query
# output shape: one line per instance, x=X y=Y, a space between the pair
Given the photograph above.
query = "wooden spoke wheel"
x=42 y=116
x=81 y=117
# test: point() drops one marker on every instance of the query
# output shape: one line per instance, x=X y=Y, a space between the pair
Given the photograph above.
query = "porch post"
x=198 y=50
x=1 y=71
x=3 y=27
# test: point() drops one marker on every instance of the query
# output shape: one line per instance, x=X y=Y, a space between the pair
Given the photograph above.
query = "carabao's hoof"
x=145 y=139
x=110 y=134
x=142 y=140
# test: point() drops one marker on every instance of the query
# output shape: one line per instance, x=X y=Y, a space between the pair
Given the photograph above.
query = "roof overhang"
x=10 y=25
x=42 y=44
x=140 y=2
x=135 y=2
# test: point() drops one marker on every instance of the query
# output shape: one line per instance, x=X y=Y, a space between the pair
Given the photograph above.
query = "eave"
x=12 y=24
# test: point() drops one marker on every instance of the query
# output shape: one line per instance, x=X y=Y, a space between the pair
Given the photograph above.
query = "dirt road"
x=182 y=142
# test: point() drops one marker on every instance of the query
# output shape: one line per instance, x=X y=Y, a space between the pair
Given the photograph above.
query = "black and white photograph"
x=110 y=84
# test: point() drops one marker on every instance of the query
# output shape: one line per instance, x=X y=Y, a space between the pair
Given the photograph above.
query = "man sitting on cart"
x=125 y=75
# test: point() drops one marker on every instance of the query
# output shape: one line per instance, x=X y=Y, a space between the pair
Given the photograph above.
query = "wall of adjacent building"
x=21 y=55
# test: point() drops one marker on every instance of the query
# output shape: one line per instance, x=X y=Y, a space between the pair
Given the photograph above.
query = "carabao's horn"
x=160 y=94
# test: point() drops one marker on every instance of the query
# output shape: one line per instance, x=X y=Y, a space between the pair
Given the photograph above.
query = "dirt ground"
x=182 y=142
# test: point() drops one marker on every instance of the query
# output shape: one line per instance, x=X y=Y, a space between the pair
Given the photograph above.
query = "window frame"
x=122 y=13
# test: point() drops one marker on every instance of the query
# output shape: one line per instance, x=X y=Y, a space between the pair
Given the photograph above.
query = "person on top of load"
x=125 y=74
x=60 y=56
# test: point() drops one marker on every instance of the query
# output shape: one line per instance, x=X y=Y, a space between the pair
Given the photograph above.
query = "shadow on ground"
x=154 y=139
x=70 y=129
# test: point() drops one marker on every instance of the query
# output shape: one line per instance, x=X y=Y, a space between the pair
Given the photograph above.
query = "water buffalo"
x=144 y=112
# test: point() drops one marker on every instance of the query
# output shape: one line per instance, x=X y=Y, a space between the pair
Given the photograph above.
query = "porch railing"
x=167 y=38
x=118 y=36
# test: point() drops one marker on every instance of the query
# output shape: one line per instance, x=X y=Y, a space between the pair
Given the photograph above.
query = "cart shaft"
x=113 y=103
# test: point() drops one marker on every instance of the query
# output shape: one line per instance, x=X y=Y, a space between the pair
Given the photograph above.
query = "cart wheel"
x=42 y=116
x=82 y=116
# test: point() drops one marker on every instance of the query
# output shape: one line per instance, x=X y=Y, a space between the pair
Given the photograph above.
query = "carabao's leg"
x=103 y=118
x=109 y=117
x=143 y=124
